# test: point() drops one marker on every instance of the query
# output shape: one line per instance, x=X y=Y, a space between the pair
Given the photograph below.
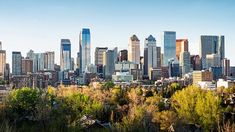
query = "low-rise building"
x=225 y=84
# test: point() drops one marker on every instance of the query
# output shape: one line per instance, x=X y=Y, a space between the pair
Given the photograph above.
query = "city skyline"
x=41 y=25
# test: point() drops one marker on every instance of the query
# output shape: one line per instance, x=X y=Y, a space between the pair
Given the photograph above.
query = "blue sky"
x=40 y=24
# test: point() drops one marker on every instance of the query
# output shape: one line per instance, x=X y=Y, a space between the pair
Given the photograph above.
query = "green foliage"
x=165 y=119
x=197 y=106
x=208 y=109
x=22 y=102
x=107 y=85
x=2 y=82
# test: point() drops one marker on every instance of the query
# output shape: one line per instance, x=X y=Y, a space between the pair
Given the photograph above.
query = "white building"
x=122 y=77
x=225 y=84
x=134 y=50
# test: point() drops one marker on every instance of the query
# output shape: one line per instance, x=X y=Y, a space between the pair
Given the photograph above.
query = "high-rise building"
x=78 y=60
x=181 y=46
x=72 y=64
x=211 y=45
x=134 y=49
x=49 y=60
x=195 y=62
x=99 y=55
x=31 y=55
x=108 y=63
x=185 y=62
x=174 y=68
x=7 y=72
x=39 y=60
x=85 y=49
x=65 y=54
x=150 y=55
x=226 y=67
x=16 y=63
x=2 y=61
x=159 y=58
x=169 y=42
x=213 y=60
x=123 y=55
x=0 y=45
x=27 y=66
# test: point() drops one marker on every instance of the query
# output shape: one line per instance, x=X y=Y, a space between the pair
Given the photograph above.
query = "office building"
x=211 y=45
x=159 y=58
x=16 y=63
x=150 y=55
x=85 y=49
x=181 y=46
x=201 y=76
x=27 y=66
x=2 y=61
x=65 y=54
x=78 y=60
x=7 y=72
x=226 y=67
x=169 y=45
x=213 y=60
x=99 y=55
x=108 y=63
x=123 y=55
x=216 y=72
x=49 y=60
x=185 y=62
x=134 y=49
x=174 y=68
x=195 y=62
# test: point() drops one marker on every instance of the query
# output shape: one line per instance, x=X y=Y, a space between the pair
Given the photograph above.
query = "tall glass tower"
x=85 y=49
x=65 y=54
x=169 y=42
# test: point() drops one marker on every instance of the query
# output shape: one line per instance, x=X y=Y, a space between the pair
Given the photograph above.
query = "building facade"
x=181 y=46
x=211 y=45
x=49 y=60
x=150 y=55
x=134 y=49
x=185 y=62
x=169 y=45
x=99 y=55
x=65 y=54
x=85 y=49
x=16 y=63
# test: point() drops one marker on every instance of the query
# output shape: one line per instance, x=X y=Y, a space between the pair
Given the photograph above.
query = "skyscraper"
x=78 y=60
x=213 y=60
x=16 y=63
x=195 y=62
x=226 y=67
x=181 y=46
x=2 y=61
x=169 y=42
x=39 y=59
x=99 y=55
x=0 y=45
x=108 y=63
x=134 y=49
x=65 y=55
x=211 y=45
x=150 y=55
x=49 y=60
x=123 y=55
x=185 y=62
x=27 y=66
x=85 y=49
x=159 y=58
x=31 y=56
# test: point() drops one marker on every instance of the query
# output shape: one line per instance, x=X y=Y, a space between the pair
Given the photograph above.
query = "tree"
x=165 y=119
x=208 y=109
x=184 y=102
x=197 y=106
x=22 y=102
